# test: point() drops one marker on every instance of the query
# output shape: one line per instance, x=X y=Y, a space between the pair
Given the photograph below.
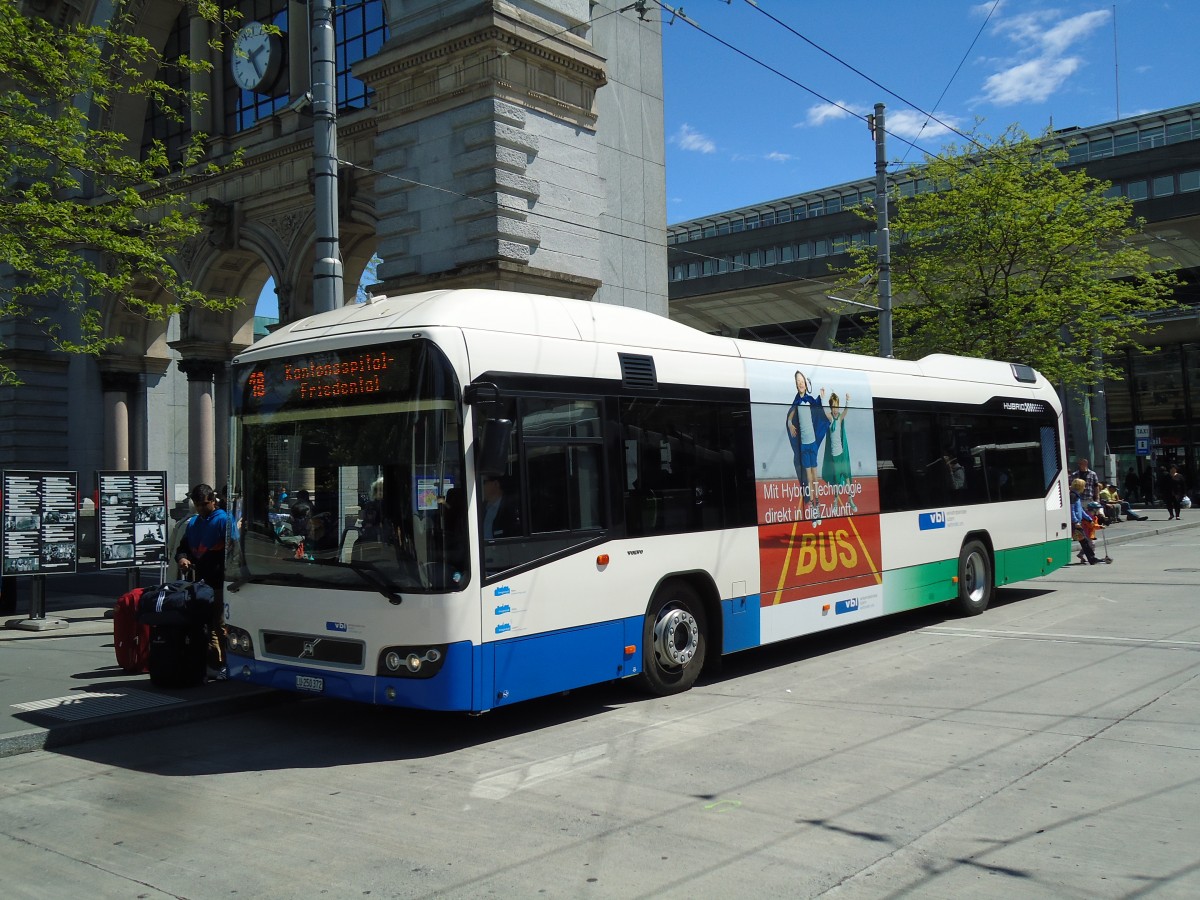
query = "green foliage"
x=1015 y=259
x=83 y=221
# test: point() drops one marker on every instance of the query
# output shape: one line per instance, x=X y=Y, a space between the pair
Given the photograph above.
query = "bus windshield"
x=348 y=471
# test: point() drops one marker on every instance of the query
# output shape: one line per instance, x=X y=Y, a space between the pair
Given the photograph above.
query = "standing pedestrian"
x=1091 y=482
x=202 y=553
x=1175 y=492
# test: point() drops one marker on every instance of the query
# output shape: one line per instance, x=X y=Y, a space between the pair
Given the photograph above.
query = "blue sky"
x=739 y=134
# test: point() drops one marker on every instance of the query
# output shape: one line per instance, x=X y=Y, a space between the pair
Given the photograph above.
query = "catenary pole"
x=884 y=249
x=328 y=291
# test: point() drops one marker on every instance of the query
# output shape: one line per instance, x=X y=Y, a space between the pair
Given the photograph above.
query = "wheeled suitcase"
x=131 y=639
x=178 y=655
x=179 y=614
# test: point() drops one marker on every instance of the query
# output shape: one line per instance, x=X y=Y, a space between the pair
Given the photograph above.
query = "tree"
x=83 y=219
x=1012 y=258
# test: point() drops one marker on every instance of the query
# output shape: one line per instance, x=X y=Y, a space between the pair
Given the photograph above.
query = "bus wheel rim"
x=676 y=637
x=974 y=577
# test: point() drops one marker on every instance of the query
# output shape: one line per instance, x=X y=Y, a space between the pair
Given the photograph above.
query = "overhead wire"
x=928 y=115
x=957 y=69
x=679 y=15
x=957 y=162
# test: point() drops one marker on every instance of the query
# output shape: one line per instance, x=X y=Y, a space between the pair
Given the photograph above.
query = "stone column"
x=202 y=447
x=117 y=387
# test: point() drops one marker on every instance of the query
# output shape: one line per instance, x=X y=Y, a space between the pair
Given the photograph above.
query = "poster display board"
x=41 y=523
x=131 y=519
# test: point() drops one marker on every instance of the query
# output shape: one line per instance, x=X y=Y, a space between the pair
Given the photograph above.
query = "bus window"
x=548 y=493
x=681 y=465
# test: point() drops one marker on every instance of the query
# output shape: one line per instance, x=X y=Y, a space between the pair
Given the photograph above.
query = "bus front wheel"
x=674 y=638
x=974 y=579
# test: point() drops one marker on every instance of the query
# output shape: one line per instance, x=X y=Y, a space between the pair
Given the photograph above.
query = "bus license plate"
x=309 y=683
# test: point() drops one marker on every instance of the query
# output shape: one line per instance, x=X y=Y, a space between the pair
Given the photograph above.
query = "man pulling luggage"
x=201 y=555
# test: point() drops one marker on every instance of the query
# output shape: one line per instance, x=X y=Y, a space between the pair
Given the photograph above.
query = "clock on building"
x=257 y=57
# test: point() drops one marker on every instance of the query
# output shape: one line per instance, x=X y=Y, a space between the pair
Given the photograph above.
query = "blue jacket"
x=204 y=544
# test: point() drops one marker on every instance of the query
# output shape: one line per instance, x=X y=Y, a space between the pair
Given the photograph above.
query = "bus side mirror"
x=483 y=392
x=493 y=455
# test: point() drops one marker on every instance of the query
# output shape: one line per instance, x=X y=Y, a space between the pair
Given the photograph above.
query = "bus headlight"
x=412 y=662
x=239 y=641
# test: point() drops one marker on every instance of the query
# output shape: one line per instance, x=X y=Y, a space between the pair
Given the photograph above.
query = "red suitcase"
x=131 y=639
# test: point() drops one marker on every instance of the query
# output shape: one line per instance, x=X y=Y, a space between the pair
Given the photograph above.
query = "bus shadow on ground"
x=309 y=732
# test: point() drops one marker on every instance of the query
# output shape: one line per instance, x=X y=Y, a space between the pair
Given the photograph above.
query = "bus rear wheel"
x=974 y=578
x=674 y=639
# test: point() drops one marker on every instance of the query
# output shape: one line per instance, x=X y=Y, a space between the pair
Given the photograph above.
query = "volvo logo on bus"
x=310 y=649
x=929 y=520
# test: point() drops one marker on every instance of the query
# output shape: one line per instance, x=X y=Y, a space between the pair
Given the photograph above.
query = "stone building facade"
x=512 y=144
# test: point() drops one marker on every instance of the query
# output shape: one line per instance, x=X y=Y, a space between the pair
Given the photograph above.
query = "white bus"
x=503 y=496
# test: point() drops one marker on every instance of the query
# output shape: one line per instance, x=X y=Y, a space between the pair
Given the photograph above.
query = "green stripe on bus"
x=934 y=582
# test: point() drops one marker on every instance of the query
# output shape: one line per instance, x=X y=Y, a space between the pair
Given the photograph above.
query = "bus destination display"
x=132 y=527
x=40 y=523
x=324 y=379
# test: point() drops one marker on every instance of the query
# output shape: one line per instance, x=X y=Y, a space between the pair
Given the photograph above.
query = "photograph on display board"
x=41 y=521
x=116 y=552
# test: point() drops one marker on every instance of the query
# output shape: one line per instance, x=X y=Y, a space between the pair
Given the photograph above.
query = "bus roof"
x=510 y=312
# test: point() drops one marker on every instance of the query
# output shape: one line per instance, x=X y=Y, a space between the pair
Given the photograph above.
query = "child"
x=836 y=469
x=806 y=427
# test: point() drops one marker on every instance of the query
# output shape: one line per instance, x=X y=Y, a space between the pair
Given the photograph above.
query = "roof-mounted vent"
x=637 y=372
x=1024 y=374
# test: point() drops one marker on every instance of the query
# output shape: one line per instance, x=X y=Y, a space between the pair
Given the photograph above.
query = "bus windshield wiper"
x=371 y=574
x=271 y=578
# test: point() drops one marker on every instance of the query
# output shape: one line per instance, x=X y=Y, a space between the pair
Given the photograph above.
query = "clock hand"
x=253 y=54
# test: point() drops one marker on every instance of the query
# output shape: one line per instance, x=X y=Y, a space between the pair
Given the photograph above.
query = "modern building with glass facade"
x=764 y=271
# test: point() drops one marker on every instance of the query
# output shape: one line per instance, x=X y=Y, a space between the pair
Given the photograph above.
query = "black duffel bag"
x=176 y=603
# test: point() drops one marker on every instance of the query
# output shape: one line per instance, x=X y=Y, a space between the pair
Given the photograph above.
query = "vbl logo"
x=930 y=520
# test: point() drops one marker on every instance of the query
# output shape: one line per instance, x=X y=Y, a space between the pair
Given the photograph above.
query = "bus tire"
x=674 y=640
x=975 y=582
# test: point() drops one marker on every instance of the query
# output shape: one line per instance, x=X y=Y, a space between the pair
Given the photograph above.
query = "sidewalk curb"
x=1124 y=537
x=187 y=710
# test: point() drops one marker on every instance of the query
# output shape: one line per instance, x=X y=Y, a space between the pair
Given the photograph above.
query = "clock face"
x=257 y=56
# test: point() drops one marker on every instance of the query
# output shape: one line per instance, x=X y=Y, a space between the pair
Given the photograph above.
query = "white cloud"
x=776 y=156
x=985 y=9
x=1043 y=46
x=1031 y=81
x=1056 y=40
x=909 y=123
x=688 y=138
x=821 y=113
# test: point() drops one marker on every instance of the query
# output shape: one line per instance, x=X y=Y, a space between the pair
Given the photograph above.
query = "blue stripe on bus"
x=450 y=689
x=741 y=618
x=557 y=661
x=479 y=678
x=503 y=672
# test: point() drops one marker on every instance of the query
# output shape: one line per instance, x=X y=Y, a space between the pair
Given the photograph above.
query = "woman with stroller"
x=1082 y=524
